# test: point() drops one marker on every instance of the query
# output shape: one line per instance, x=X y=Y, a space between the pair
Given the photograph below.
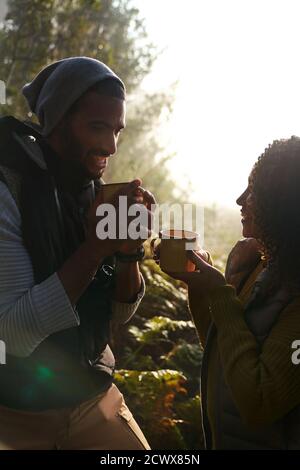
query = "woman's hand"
x=156 y=253
x=242 y=259
x=204 y=279
x=244 y=256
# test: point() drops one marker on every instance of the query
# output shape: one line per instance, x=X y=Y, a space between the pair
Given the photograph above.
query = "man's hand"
x=78 y=271
x=147 y=200
x=135 y=195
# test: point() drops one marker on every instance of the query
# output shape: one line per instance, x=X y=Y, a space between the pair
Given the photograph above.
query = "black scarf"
x=45 y=200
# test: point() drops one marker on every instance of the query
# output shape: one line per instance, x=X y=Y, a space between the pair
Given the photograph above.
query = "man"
x=61 y=287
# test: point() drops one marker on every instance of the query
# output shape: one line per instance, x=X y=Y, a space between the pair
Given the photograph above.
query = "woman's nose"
x=241 y=199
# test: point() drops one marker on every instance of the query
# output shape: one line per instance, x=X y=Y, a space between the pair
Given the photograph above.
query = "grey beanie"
x=53 y=91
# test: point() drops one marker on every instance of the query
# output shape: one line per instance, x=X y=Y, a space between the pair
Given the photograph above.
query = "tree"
x=38 y=32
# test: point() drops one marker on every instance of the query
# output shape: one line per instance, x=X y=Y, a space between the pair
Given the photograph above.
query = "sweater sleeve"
x=265 y=384
x=122 y=312
x=29 y=312
x=200 y=311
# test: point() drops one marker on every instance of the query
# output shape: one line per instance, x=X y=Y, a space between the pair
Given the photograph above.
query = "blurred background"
x=210 y=84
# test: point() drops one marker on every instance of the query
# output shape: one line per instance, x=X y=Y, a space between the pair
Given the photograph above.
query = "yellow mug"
x=173 y=249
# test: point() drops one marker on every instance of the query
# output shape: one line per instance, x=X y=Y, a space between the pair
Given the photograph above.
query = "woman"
x=248 y=320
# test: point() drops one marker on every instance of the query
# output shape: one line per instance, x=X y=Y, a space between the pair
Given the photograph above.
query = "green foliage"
x=158 y=326
x=165 y=296
x=156 y=396
x=157 y=338
x=159 y=364
x=187 y=358
x=190 y=426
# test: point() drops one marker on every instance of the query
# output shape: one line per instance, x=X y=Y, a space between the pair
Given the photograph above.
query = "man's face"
x=89 y=135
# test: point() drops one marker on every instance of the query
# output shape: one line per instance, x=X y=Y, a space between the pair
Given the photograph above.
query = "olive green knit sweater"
x=265 y=384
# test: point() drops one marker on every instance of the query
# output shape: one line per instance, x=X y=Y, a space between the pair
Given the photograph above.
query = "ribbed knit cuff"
x=221 y=303
x=122 y=312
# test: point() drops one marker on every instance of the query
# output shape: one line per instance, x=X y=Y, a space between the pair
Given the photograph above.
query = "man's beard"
x=73 y=154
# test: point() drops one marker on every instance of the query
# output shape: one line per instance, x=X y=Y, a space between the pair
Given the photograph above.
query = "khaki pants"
x=103 y=423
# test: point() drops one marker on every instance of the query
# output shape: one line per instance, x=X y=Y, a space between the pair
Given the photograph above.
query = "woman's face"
x=245 y=200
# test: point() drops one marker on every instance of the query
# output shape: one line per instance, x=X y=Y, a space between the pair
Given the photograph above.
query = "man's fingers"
x=129 y=189
x=143 y=196
x=149 y=199
x=135 y=183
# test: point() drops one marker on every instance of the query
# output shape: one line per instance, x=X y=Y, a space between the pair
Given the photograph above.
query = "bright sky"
x=237 y=63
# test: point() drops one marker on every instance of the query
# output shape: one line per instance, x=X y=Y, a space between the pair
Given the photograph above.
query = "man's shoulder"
x=10 y=124
x=18 y=151
x=18 y=141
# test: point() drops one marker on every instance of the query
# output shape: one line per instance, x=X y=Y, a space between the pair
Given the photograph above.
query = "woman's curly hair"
x=275 y=186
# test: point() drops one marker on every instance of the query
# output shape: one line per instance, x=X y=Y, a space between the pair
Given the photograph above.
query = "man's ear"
x=56 y=135
x=59 y=129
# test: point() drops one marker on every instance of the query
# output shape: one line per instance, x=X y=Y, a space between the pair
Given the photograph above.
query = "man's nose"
x=110 y=146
